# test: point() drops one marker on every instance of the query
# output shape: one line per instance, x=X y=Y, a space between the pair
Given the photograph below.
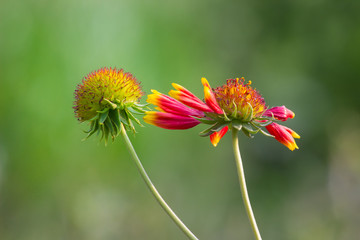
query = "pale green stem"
x=244 y=193
x=152 y=188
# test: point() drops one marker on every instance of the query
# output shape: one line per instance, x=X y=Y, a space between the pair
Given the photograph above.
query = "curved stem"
x=152 y=188
x=244 y=193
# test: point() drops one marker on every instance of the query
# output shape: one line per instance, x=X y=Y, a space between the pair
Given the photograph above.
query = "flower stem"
x=244 y=193
x=152 y=188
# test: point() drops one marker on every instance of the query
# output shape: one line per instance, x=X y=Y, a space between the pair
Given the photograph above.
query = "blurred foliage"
x=304 y=54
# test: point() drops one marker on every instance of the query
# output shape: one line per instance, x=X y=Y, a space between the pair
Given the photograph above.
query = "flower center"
x=237 y=99
x=103 y=87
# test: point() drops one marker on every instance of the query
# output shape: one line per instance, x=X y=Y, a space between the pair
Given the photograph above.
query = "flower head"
x=235 y=104
x=107 y=98
x=239 y=100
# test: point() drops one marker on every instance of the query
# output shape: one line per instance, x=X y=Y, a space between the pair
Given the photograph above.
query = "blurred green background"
x=304 y=54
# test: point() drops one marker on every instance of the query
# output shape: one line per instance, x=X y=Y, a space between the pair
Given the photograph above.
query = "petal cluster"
x=183 y=109
x=173 y=114
x=235 y=104
x=281 y=133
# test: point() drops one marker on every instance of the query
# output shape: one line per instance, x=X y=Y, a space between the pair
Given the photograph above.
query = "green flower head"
x=108 y=98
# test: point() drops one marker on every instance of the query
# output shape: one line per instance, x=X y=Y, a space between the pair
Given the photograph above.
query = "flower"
x=107 y=98
x=235 y=104
x=240 y=100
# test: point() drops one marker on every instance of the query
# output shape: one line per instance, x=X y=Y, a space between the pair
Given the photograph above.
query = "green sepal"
x=123 y=117
x=92 y=124
x=226 y=117
x=108 y=124
x=263 y=124
x=262 y=118
x=103 y=115
x=127 y=128
x=211 y=115
x=136 y=110
x=108 y=120
x=102 y=111
x=126 y=120
x=219 y=126
x=96 y=117
x=115 y=118
x=249 y=129
x=106 y=134
x=214 y=128
x=93 y=129
x=113 y=105
x=234 y=113
x=266 y=134
x=258 y=127
x=102 y=130
x=131 y=116
x=205 y=120
x=140 y=107
x=206 y=132
x=247 y=133
x=248 y=115
x=131 y=126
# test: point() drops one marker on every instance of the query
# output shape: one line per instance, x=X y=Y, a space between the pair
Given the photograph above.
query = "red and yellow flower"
x=233 y=105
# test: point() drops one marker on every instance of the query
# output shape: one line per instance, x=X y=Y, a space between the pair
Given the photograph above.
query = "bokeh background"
x=304 y=54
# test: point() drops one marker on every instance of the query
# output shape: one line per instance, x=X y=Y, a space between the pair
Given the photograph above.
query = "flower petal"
x=188 y=98
x=280 y=113
x=169 y=120
x=284 y=135
x=171 y=105
x=216 y=136
x=292 y=132
x=210 y=97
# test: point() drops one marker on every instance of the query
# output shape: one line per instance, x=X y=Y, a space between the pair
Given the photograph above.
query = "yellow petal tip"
x=204 y=82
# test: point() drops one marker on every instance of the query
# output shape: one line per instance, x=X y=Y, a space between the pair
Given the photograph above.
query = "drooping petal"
x=292 y=132
x=171 y=105
x=280 y=113
x=169 y=120
x=188 y=98
x=210 y=97
x=284 y=135
x=216 y=136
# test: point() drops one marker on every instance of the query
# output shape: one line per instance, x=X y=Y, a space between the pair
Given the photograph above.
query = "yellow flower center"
x=103 y=87
x=237 y=99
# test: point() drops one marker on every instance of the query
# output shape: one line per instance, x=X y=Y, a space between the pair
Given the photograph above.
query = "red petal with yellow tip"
x=210 y=97
x=280 y=113
x=188 y=98
x=171 y=105
x=284 y=135
x=169 y=120
x=216 y=136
